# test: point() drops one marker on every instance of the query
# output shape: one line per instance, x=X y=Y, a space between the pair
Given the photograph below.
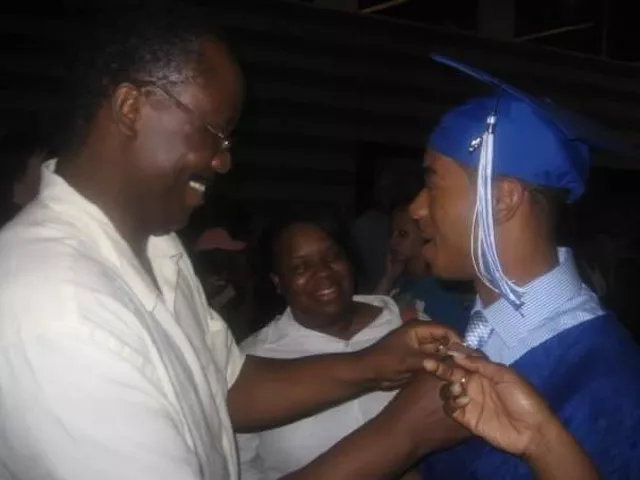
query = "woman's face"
x=406 y=241
x=313 y=273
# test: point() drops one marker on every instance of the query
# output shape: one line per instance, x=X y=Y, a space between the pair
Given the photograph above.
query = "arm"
x=495 y=403
x=412 y=425
x=392 y=272
x=292 y=389
x=413 y=474
x=555 y=455
x=384 y=286
x=377 y=450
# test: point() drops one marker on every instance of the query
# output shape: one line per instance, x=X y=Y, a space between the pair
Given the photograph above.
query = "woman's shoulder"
x=383 y=302
x=281 y=328
x=381 y=306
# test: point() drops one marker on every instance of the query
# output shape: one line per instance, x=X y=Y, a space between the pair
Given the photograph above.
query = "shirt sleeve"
x=73 y=408
x=221 y=340
x=251 y=467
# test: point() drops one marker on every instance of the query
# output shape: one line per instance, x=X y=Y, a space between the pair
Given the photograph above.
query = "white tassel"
x=483 y=242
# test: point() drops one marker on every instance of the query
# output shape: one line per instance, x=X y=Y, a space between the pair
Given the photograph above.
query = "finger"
x=429 y=333
x=461 y=401
x=453 y=410
x=485 y=367
x=460 y=349
x=444 y=368
x=452 y=390
x=445 y=393
x=453 y=404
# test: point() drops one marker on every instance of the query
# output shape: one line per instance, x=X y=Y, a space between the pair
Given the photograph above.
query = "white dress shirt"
x=553 y=302
x=273 y=453
x=102 y=376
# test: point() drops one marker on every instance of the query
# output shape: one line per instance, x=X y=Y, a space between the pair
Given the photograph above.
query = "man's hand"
x=493 y=402
x=294 y=388
x=393 y=267
x=392 y=361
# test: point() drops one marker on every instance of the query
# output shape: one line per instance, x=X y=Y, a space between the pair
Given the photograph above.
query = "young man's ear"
x=508 y=195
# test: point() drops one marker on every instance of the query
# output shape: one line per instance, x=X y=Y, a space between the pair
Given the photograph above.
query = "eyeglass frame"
x=225 y=142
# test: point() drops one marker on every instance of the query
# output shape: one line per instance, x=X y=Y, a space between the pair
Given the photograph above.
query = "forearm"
x=387 y=445
x=272 y=392
x=378 y=450
x=558 y=456
x=384 y=286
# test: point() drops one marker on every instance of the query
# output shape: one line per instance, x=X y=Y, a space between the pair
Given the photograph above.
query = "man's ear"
x=276 y=282
x=508 y=195
x=125 y=108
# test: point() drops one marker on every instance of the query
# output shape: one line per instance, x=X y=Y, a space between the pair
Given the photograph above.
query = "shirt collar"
x=96 y=227
x=58 y=194
x=286 y=325
x=543 y=296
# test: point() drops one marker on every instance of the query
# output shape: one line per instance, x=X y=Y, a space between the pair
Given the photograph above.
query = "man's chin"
x=173 y=227
x=449 y=275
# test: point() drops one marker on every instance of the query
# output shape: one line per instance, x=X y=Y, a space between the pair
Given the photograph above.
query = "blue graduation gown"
x=590 y=375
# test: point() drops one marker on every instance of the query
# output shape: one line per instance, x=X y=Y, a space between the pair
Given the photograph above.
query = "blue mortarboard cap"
x=535 y=140
x=513 y=134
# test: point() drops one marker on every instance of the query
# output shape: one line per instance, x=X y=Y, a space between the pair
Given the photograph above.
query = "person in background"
x=313 y=274
x=23 y=149
x=222 y=266
x=370 y=233
x=497 y=404
x=409 y=281
x=496 y=170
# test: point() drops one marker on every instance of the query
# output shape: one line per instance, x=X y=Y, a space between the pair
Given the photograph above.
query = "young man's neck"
x=522 y=265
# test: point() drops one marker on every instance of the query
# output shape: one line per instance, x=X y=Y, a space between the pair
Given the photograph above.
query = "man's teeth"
x=327 y=291
x=200 y=187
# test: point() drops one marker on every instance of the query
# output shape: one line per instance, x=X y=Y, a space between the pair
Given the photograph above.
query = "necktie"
x=478 y=331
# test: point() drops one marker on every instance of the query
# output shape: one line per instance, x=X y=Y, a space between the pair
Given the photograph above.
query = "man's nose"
x=419 y=208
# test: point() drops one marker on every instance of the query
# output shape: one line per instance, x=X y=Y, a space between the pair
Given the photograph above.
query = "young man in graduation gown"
x=496 y=171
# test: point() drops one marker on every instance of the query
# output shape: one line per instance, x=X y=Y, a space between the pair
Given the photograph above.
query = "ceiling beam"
x=383 y=6
x=497 y=19
x=344 y=5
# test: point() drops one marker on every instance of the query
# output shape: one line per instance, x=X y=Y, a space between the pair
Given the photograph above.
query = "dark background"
x=335 y=96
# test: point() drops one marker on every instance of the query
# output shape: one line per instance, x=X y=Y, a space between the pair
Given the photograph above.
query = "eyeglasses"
x=217 y=141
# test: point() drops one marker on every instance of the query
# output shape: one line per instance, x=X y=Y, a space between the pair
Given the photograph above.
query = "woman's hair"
x=262 y=258
x=267 y=245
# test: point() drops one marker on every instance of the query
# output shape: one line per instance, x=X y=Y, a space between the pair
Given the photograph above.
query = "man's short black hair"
x=158 y=45
x=550 y=204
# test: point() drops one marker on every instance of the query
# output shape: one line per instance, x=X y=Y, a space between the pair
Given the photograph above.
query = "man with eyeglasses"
x=111 y=364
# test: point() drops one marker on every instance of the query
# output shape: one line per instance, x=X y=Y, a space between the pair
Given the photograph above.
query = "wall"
x=324 y=87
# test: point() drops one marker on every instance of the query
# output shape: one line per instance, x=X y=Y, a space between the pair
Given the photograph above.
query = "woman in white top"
x=313 y=274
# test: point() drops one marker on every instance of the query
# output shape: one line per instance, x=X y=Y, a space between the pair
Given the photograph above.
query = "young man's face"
x=444 y=212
